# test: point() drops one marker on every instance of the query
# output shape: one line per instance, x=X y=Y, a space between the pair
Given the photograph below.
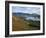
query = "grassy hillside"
x=20 y=24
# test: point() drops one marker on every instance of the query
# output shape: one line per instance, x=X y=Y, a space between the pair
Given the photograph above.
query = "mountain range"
x=26 y=14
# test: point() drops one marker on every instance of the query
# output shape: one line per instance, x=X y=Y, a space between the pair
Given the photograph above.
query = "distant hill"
x=26 y=15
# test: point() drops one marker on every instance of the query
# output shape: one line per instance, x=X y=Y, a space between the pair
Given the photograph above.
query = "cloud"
x=30 y=10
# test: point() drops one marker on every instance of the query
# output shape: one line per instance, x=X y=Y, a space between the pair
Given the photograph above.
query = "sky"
x=30 y=10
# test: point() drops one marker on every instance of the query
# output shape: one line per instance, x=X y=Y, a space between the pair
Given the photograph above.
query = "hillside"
x=19 y=24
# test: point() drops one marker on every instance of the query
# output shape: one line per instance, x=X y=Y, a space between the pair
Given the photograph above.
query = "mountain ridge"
x=25 y=14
